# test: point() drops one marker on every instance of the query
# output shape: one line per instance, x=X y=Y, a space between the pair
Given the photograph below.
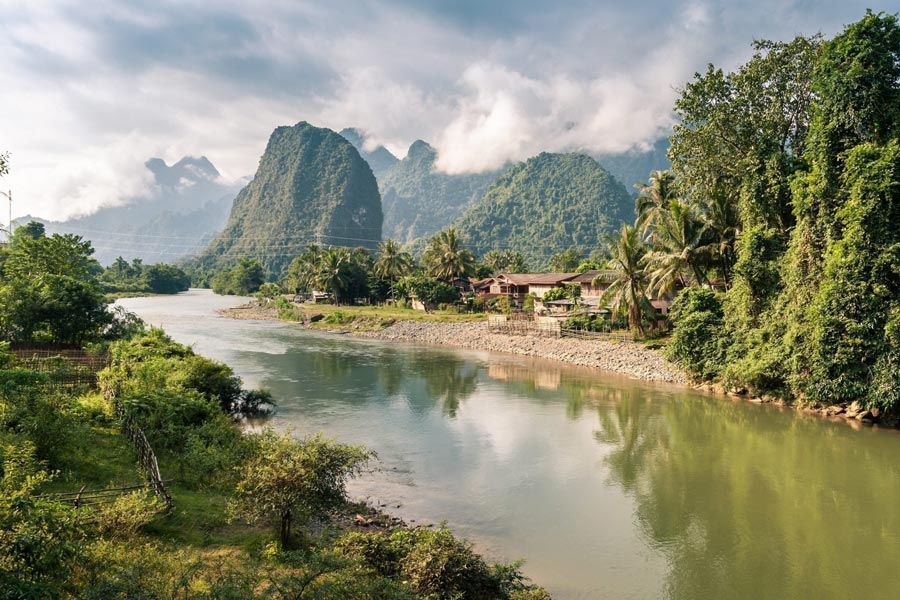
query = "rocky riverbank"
x=626 y=358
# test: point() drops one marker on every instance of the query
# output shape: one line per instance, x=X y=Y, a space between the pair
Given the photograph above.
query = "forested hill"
x=186 y=206
x=635 y=166
x=380 y=158
x=548 y=204
x=311 y=185
x=418 y=201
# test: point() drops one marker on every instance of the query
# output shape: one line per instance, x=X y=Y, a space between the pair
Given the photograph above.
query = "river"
x=607 y=487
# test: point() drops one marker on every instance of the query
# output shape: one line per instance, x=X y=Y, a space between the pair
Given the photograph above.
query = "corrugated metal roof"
x=538 y=278
x=589 y=276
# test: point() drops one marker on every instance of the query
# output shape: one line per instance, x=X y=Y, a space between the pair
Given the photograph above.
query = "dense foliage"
x=137 y=277
x=418 y=201
x=49 y=289
x=803 y=143
x=549 y=203
x=242 y=279
x=311 y=186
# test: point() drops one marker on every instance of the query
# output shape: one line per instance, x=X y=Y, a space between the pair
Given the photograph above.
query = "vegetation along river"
x=608 y=487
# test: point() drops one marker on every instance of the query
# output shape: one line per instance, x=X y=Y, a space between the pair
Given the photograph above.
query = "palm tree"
x=446 y=258
x=626 y=292
x=653 y=202
x=302 y=272
x=680 y=248
x=333 y=272
x=392 y=262
x=508 y=261
x=723 y=224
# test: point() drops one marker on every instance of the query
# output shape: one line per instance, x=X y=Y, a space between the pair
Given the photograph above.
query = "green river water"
x=606 y=486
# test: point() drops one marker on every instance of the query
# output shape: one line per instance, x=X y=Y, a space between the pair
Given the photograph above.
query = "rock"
x=315 y=317
x=876 y=412
x=834 y=409
x=865 y=416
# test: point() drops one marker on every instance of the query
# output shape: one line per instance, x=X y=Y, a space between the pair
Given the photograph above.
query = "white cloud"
x=93 y=90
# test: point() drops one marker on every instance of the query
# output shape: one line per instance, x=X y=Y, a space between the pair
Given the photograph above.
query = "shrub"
x=126 y=516
x=287 y=480
x=698 y=319
x=437 y=565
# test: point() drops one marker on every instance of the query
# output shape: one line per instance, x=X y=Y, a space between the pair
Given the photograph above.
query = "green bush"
x=698 y=321
x=437 y=565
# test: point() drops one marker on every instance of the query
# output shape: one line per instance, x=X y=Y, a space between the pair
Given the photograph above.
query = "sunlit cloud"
x=91 y=90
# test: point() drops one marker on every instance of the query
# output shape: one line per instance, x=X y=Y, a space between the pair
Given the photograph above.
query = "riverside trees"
x=805 y=141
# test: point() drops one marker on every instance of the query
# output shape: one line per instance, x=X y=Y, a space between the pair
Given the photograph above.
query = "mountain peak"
x=189 y=168
x=380 y=159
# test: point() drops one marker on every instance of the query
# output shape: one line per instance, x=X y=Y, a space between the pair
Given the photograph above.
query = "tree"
x=289 y=481
x=566 y=261
x=446 y=258
x=505 y=261
x=241 y=280
x=392 y=263
x=50 y=291
x=430 y=291
x=626 y=291
x=653 y=201
x=679 y=250
x=301 y=273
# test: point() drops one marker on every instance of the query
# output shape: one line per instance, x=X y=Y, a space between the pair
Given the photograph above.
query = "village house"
x=594 y=283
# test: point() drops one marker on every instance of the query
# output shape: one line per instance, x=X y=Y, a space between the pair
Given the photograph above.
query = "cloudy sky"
x=90 y=90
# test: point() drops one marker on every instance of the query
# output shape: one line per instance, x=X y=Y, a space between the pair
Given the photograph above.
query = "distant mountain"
x=635 y=166
x=418 y=201
x=188 y=204
x=312 y=185
x=380 y=159
x=545 y=205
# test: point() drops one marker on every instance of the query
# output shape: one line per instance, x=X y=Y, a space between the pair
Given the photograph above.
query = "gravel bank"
x=622 y=357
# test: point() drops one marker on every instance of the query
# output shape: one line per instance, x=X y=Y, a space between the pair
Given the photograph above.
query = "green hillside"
x=311 y=185
x=418 y=201
x=545 y=205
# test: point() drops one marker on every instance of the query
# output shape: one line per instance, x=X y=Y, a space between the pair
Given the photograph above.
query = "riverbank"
x=626 y=358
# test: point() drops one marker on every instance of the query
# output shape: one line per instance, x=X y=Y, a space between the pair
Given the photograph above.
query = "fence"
x=66 y=366
x=523 y=324
x=85 y=498
x=148 y=458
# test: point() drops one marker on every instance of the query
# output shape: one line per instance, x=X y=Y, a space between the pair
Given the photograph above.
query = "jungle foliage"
x=803 y=143
x=545 y=204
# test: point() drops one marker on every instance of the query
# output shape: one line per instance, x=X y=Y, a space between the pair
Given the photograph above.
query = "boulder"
x=865 y=416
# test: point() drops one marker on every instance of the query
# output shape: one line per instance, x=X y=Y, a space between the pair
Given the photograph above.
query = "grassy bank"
x=232 y=495
x=329 y=317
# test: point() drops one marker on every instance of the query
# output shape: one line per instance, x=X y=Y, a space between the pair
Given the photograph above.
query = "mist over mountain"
x=545 y=205
x=380 y=158
x=635 y=166
x=418 y=201
x=312 y=185
x=187 y=204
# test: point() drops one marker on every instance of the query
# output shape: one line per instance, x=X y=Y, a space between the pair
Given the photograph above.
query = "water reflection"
x=610 y=488
x=750 y=504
